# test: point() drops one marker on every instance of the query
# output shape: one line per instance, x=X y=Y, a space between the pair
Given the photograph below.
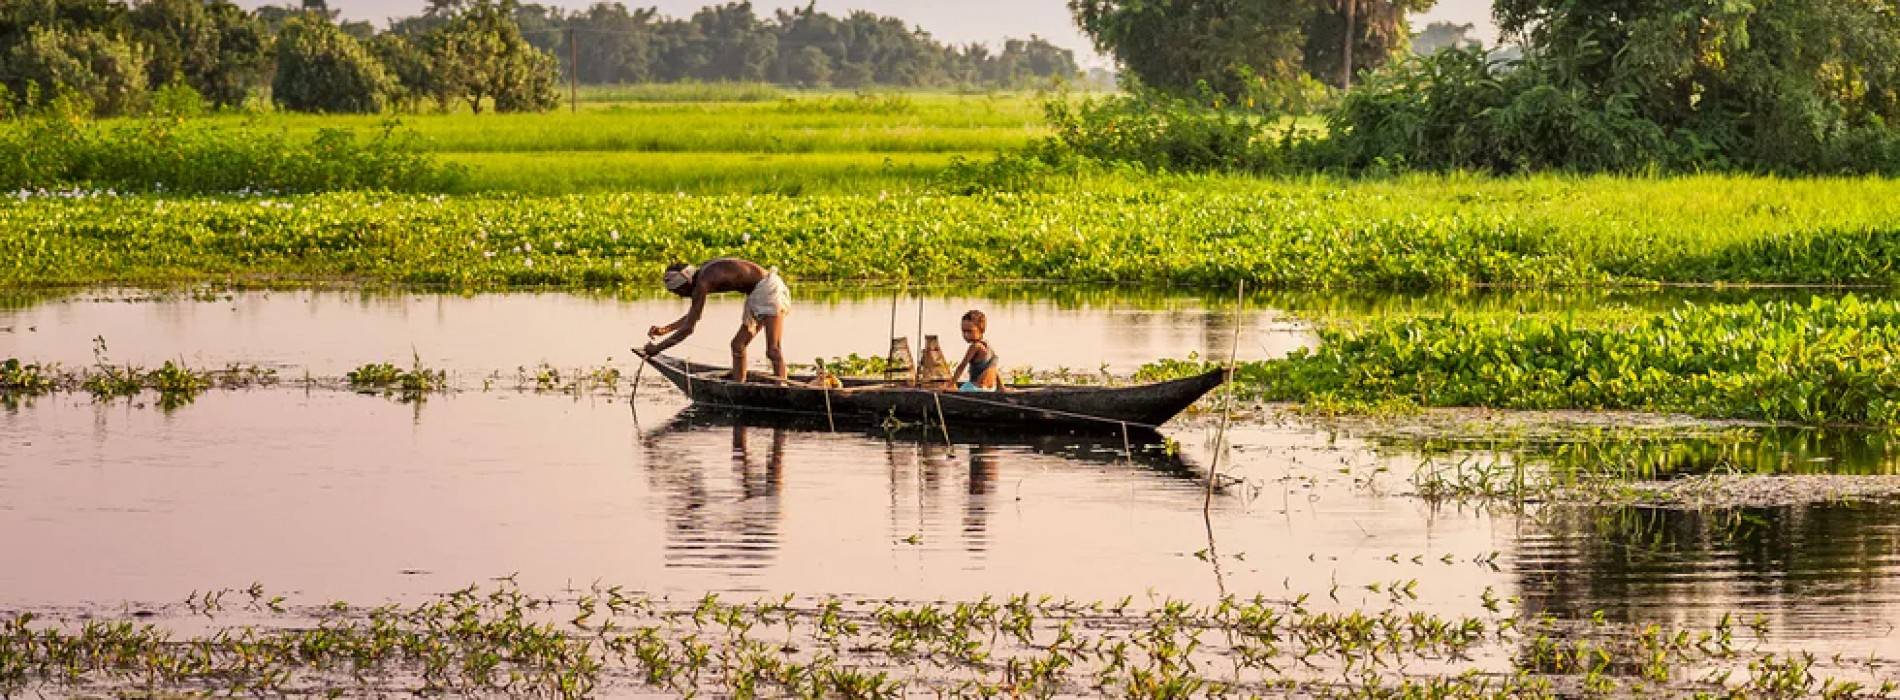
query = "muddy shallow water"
x=332 y=495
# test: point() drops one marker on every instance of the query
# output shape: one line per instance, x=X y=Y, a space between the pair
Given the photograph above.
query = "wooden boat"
x=1033 y=407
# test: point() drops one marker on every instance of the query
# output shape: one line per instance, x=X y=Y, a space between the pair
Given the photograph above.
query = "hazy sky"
x=956 y=21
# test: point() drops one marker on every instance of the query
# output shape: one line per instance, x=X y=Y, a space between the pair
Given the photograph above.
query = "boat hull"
x=1143 y=405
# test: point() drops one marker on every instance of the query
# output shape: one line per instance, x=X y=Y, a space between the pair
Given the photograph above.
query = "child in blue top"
x=980 y=359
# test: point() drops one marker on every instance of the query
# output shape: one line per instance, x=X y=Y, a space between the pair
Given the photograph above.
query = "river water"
x=333 y=495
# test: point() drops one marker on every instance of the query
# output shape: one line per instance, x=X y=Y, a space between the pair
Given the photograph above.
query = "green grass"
x=701 y=139
x=679 y=92
x=595 y=172
x=805 y=124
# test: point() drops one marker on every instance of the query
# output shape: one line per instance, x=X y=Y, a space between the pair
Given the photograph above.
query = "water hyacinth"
x=1826 y=361
x=1419 y=234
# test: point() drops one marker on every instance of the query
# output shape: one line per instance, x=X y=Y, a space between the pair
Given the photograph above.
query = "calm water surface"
x=333 y=495
x=330 y=333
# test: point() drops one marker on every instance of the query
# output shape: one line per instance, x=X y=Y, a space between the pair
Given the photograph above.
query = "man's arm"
x=682 y=327
x=668 y=328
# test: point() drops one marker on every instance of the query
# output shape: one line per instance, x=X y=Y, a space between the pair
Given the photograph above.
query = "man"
x=766 y=301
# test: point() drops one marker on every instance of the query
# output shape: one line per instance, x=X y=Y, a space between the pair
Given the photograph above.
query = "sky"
x=954 y=21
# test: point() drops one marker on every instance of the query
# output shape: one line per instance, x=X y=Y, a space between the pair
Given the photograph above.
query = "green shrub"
x=177 y=100
x=1460 y=109
x=322 y=69
x=1162 y=132
x=183 y=155
x=109 y=72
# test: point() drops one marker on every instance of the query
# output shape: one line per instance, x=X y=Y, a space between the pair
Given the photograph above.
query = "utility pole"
x=573 y=75
x=1345 y=70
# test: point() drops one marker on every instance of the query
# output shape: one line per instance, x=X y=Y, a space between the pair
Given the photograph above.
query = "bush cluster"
x=190 y=156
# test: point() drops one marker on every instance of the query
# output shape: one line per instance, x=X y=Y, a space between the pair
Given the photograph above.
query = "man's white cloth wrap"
x=770 y=297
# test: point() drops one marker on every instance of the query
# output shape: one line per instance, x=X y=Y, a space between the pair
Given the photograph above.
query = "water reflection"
x=730 y=517
x=1803 y=565
x=1762 y=451
x=1677 y=452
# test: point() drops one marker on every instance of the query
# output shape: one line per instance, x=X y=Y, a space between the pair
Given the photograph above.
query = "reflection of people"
x=774 y=463
x=983 y=462
x=767 y=298
x=976 y=508
x=980 y=359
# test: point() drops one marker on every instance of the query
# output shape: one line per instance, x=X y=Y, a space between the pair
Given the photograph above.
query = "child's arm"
x=965 y=362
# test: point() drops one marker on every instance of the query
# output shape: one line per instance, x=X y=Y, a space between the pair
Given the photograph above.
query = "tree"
x=1772 y=82
x=809 y=67
x=322 y=69
x=106 y=71
x=217 y=48
x=613 y=45
x=729 y=41
x=1175 y=44
x=1378 y=29
x=478 y=54
x=413 y=78
x=733 y=43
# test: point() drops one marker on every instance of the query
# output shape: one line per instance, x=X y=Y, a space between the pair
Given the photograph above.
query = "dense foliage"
x=1787 y=86
x=110 y=55
x=193 y=156
x=478 y=55
x=321 y=69
x=1178 y=45
x=1163 y=132
x=1627 y=86
x=801 y=46
x=91 y=71
x=1825 y=361
x=1413 y=234
x=216 y=48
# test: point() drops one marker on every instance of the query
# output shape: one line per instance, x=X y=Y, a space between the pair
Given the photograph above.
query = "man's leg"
x=775 y=331
x=739 y=341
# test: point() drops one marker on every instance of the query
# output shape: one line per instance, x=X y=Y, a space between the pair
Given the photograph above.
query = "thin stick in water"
x=1220 y=436
x=827 y=388
x=942 y=420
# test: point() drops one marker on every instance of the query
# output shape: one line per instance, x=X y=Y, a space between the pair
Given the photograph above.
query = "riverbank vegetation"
x=1828 y=361
x=1412 y=233
x=606 y=638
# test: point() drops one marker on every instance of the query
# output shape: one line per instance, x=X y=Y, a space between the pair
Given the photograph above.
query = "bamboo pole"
x=1227 y=409
x=573 y=75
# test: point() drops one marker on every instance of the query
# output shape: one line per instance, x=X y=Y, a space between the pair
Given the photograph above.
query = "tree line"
x=1785 y=86
x=107 y=57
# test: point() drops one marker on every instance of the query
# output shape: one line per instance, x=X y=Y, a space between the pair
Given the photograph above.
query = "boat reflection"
x=728 y=511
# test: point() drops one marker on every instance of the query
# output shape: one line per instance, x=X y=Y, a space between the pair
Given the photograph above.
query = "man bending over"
x=767 y=298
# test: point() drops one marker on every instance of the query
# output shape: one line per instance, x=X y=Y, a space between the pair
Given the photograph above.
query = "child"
x=979 y=358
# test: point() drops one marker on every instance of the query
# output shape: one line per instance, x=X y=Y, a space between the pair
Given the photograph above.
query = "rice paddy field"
x=780 y=142
x=1546 y=436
